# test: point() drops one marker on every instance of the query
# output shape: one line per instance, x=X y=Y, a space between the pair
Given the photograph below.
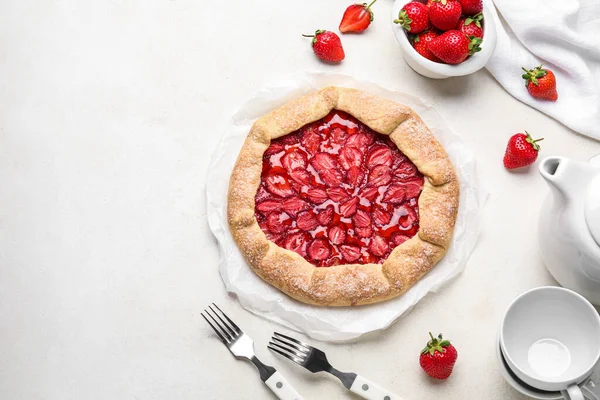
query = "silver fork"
x=315 y=360
x=242 y=347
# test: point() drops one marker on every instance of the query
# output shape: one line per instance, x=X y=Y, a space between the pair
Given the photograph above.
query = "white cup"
x=550 y=339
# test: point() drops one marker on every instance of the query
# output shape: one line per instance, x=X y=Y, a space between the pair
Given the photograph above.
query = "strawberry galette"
x=342 y=198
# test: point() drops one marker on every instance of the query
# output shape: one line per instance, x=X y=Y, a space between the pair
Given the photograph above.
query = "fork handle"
x=371 y=391
x=282 y=388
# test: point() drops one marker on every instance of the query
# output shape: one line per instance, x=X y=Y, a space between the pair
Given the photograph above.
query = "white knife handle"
x=282 y=389
x=371 y=391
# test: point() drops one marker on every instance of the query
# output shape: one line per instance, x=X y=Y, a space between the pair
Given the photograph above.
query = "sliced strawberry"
x=311 y=140
x=395 y=194
x=277 y=239
x=262 y=194
x=398 y=238
x=363 y=232
x=293 y=205
x=336 y=234
x=378 y=246
x=325 y=216
x=331 y=177
x=355 y=176
x=294 y=159
x=409 y=216
x=317 y=196
x=380 y=175
x=274 y=148
x=361 y=219
x=278 y=222
x=361 y=141
x=297 y=242
x=350 y=157
x=307 y=220
x=380 y=216
x=405 y=170
x=267 y=206
x=301 y=176
x=348 y=208
x=319 y=249
x=413 y=189
x=338 y=194
x=322 y=161
x=338 y=135
x=289 y=139
x=278 y=185
x=369 y=193
x=350 y=253
x=379 y=155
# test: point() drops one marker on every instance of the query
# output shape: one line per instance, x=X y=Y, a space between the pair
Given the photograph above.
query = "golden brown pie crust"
x=350 y=284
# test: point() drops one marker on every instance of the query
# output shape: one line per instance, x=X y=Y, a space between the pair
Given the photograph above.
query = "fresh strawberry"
x=471 y=26
x=378 y=246
x=453 y=47
x=413 y=17
x=521 y=151
x=444 y=14
x=541 y=83
x=327 y=46
x=471 y=7
x=380 y=175
x=357 y=18
x=438 y=358
x=421 y=42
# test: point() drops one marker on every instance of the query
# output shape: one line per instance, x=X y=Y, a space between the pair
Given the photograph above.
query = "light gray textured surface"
x=109 y=112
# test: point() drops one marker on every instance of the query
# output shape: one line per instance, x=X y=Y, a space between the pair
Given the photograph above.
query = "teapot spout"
x=567 y=178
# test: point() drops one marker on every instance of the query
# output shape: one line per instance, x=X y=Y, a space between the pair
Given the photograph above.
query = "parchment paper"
x=334 y=324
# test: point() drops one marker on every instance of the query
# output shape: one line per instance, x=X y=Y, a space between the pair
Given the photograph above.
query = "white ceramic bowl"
x=550 y=338
x=435 y=70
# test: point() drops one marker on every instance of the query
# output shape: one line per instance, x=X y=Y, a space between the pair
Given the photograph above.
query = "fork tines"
x=228 y=331
x=290 y=348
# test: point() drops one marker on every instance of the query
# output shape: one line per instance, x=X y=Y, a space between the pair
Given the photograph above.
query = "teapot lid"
x=592 y=204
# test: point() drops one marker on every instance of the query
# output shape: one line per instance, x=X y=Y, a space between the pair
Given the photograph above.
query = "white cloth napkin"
x=565 y=36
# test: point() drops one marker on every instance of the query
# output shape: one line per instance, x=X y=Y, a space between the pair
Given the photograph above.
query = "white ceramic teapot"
x=570 y=224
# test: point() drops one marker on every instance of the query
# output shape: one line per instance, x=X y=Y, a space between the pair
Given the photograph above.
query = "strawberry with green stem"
x=357 y=18
x=327 y=46
x=413 y=17
x=438 y=357
x=522 y=150
x=540 y=83
x=471 y=26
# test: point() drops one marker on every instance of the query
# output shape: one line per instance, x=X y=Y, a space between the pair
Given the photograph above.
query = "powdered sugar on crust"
x=350 y=284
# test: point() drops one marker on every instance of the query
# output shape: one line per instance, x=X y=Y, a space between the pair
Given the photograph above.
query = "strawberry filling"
x=336 y=192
